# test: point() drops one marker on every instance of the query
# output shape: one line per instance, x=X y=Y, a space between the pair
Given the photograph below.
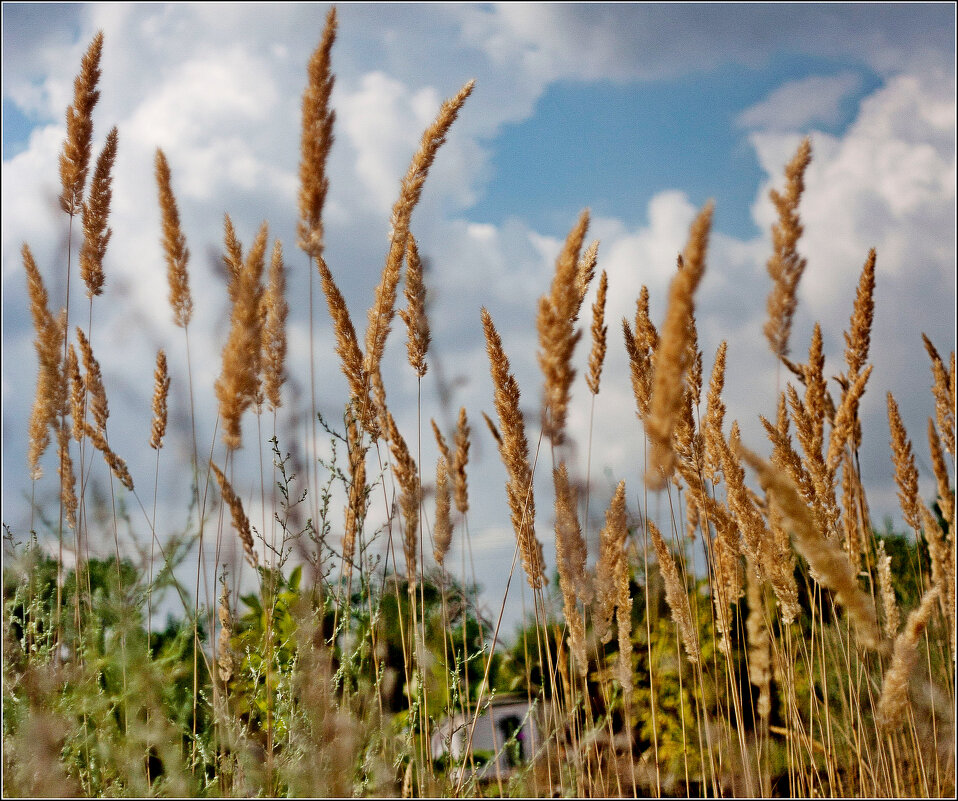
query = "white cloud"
x=223 y=101
x=807 y=101
x=638 y=41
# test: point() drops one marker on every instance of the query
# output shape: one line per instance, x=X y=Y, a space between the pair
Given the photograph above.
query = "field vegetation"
x=801 y=653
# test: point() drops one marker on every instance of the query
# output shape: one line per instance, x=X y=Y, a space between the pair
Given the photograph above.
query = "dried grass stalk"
x=49 y=347
x=115 y=463
x=759 y=646
x=381 y=313
x=858 y=337
x=611 y=552
x=441 y=442
x=356 y=506
x=846 y=419
x=460 y=461
x=347 y=347
x=784 y=455
x=893 y=703
x=96 y=212
x=414 y=315
x=887 y=591
x=599 y=333
x=820 y=479
x=906 y=473
x=623 y=610
x=781 y=574
x=557 y=335
x=174 y=246
x=946 y=411
x=826 y=558
x=161 y=390
x=715 y=414
x=99 y=408
x=585 y=272
x=67 y=477
x=944 y=391
x=238 y=383
x=946 y=495
x=815 y=392
x=240 y=520
x=726 y=571
x=316 y=142
x=941 y=550
x=407 y=476
x=641 y=345
x=785 y=265
x=232 y=256
x=755 y=541
x=77 y=149
x=571 y=557
x=224 y=652
x=672 y=356
x=274 y=329
x=514 y=450
x=493 y=429
x=676 y=593
x=77 y=393
x=852 y=498
x=442 y=531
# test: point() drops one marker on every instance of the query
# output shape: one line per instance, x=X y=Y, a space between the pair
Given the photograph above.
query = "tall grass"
x=804 y=654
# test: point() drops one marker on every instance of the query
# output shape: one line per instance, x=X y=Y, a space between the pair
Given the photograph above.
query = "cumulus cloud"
x=813 y=100
x=222 y=99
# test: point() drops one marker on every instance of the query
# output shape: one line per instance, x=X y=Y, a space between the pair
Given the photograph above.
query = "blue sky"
x=639 y=112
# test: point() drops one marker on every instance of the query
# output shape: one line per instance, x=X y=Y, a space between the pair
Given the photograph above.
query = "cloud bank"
x=220 y=94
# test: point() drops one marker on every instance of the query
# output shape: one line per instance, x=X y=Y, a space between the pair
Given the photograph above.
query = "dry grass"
x=742 y=653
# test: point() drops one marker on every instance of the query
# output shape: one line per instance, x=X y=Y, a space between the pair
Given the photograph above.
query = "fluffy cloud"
x=222 y=98
x=628 y=42
x=809 y=101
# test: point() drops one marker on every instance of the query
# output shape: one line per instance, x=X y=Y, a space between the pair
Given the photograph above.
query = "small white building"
x=507 y=736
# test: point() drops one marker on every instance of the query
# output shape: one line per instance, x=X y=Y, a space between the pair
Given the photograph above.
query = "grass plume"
x=786 y=266
x=672 y=360
x=77 y=149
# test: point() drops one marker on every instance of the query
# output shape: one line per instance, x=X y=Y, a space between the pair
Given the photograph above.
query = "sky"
x=640 y=113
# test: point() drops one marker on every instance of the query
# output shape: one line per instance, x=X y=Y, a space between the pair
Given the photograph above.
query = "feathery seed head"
x=599 y=333
x=514 y=450
x=274 y=329
x=96 y=212
x=460 y=461
x=672 y=359
x=240 y=520
x=316 y=142
x=174 y=245
x=558 y=312
x=785 y=267
x=414 y=315
x=161 y=389
x=75 y=158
